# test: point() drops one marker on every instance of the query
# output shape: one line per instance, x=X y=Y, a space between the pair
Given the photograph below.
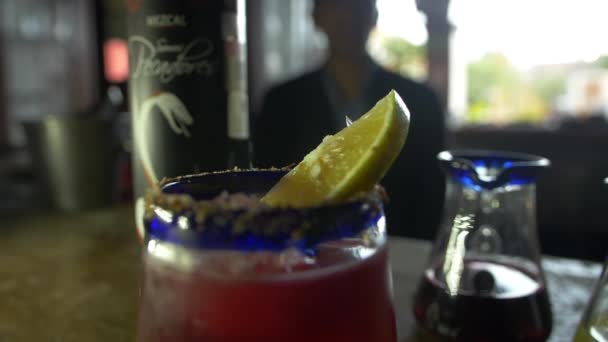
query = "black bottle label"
x=177 y=88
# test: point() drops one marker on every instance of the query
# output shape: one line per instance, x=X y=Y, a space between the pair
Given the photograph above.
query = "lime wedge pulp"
x=349 y=162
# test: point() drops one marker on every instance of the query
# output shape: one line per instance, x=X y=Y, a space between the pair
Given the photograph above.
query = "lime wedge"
x=349 y=162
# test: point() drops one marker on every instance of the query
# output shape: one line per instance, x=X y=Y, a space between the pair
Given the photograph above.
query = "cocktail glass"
x=235 y=270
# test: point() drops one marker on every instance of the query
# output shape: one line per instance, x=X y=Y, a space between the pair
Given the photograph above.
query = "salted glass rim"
x=175 y=214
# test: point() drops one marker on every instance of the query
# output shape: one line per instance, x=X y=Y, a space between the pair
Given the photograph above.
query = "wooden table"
x=75 y=278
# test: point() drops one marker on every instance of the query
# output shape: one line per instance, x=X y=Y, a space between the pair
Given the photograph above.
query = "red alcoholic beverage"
x=261 y=276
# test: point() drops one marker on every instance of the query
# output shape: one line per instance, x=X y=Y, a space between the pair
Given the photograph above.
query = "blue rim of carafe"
x=259 y=229
x=487 y=169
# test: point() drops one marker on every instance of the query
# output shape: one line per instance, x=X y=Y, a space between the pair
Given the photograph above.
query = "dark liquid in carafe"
x=493 y=302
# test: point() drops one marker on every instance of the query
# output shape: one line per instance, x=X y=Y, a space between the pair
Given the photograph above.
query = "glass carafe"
x=594 y=324
x=484 y=280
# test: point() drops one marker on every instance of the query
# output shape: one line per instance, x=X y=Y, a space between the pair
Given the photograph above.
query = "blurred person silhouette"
x=298 y=114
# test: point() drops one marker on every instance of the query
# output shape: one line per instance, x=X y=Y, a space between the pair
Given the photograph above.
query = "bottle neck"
x=234 y=35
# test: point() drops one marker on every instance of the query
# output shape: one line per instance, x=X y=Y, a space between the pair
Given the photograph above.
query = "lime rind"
x=373 y=167
x=343 y=166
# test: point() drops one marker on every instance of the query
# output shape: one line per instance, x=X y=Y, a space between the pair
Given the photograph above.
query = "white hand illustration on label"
x=178 y=117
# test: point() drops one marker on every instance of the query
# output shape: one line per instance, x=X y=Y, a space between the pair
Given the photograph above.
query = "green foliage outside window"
x=497 y=92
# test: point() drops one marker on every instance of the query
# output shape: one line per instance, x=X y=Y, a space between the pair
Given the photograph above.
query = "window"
x=512 y=62
x=398 y=43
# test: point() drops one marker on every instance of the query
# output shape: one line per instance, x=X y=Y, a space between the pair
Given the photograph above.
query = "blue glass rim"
x=489 y=169
x=179 y=213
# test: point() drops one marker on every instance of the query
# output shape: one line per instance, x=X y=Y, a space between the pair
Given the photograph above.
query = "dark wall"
x=3 y=107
